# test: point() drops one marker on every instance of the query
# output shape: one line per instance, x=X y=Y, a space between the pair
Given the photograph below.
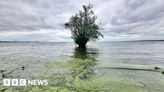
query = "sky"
x=42 y=20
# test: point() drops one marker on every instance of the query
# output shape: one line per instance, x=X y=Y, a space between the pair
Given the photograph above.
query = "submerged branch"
x=137 y=69
x=5 y=73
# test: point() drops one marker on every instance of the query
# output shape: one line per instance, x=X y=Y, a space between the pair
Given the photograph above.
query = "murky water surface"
x=129 y=63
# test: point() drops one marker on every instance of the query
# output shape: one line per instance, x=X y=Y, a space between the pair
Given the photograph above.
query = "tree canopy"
x=83 y=26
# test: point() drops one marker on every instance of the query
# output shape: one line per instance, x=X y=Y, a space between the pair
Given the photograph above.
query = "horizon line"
x=73 y=42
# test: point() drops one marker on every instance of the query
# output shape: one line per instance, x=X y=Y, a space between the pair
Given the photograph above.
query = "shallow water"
x=113 y=60
x=149 y=53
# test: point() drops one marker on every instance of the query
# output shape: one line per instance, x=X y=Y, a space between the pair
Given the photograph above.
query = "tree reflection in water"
x=84 y=63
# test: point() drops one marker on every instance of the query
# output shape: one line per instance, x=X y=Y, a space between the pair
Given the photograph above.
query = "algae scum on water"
x=79 y=75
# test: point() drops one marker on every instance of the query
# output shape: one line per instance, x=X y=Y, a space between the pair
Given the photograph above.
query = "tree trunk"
x=83 y=45
x=81 y=42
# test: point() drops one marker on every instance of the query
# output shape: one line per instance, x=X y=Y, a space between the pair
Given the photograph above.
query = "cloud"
x=137 y=17
x=42 y=20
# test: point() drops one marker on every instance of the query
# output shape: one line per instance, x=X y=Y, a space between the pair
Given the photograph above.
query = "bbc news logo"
x=24 y=82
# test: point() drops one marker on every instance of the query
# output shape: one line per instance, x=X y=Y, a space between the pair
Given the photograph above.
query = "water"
x=114 y=60
x=144 y=53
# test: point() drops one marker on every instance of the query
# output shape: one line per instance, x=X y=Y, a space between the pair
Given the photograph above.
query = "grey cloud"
x=119 y=18
x=138 y=17
x=138 y=11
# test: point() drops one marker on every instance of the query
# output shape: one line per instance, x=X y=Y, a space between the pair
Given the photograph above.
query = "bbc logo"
x=14 y=82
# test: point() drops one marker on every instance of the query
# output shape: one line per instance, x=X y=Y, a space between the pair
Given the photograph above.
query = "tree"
x=83 y=26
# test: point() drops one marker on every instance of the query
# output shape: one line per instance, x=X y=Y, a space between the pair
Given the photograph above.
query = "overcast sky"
x=42 y=20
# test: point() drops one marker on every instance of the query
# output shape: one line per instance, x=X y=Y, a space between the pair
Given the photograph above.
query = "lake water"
x=123 y=62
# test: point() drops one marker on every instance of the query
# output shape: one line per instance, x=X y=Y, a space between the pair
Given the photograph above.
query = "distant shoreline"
x=72 y=42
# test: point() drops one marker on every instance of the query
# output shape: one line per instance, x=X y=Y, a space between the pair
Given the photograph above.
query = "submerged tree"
x=83 y=26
